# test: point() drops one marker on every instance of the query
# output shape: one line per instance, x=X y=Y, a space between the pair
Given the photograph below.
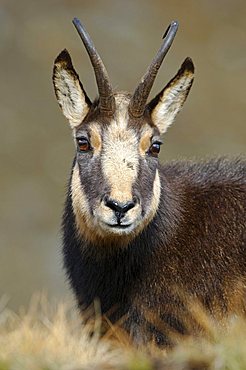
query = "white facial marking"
x=155 y=198
x=120 y=156
x=79 y=200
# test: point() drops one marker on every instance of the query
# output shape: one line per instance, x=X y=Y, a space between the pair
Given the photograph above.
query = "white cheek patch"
x=70 y=96
x=156 y=193
x=80 y=205
x=171 y=102
x=78 y=197
x=155 y=199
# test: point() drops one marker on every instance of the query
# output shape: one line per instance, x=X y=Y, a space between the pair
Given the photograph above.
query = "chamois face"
x=117 y=169
x=115 y=185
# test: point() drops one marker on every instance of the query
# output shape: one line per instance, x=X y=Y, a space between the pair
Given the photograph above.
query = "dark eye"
x=83 y=144
x=154 y=149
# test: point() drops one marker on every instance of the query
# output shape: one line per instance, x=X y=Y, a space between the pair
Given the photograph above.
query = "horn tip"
x=75 y=20
x=174 y=23
x=77 y=24
x=173 y=27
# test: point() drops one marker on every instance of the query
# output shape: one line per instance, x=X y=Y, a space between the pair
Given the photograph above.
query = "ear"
x=70 y=93
x=166 y=105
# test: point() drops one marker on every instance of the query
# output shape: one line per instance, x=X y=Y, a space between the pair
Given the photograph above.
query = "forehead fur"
x=122 y=101
x=121 y=115
x=122 y=134
x=120 y=152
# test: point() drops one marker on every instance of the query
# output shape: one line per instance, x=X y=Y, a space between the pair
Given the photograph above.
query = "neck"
x=109 y=272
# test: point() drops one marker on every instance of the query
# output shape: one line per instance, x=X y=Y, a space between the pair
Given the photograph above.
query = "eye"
x=83 y=144
x=155 y=148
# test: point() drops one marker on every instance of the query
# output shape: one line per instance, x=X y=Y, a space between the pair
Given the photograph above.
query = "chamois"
x=146 y=239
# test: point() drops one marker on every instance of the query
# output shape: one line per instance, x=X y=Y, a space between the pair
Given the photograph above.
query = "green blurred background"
x=36 y=148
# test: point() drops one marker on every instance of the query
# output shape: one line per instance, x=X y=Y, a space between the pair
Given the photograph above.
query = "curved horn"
x=105 y=90
x=140 y=96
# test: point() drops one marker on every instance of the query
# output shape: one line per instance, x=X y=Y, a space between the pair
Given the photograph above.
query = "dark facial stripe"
x=91 y=178
x=143 y=185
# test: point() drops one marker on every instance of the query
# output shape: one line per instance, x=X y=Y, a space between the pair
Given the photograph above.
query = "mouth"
x=119 y=226
x=118 y=229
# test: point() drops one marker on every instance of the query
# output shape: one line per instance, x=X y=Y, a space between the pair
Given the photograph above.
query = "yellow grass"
x=53 y=336
x=50 y=337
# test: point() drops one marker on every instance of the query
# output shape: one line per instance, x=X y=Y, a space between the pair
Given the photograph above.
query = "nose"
x=119 y=208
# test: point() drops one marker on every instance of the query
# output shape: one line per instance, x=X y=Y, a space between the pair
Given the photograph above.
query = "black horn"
x=105 y=90
x=140 y=96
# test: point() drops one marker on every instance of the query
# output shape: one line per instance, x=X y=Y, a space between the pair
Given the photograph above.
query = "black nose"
x=120 y=209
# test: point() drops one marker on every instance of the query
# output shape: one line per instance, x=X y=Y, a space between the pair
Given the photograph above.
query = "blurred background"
x=36 y=148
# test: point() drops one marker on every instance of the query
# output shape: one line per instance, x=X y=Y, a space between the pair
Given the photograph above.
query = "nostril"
x=112 y=204
x=118 y=207
x=128 y=206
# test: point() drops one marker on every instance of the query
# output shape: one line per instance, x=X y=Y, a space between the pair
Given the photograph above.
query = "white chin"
x=118 y=229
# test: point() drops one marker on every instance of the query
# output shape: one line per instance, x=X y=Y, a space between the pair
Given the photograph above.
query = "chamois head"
x=115 y=183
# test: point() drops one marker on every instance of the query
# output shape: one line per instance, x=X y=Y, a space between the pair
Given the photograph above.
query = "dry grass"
x=51 y=337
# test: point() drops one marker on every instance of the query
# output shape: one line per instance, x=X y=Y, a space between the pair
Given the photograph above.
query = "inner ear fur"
x=69 y=91
x=166 y=105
